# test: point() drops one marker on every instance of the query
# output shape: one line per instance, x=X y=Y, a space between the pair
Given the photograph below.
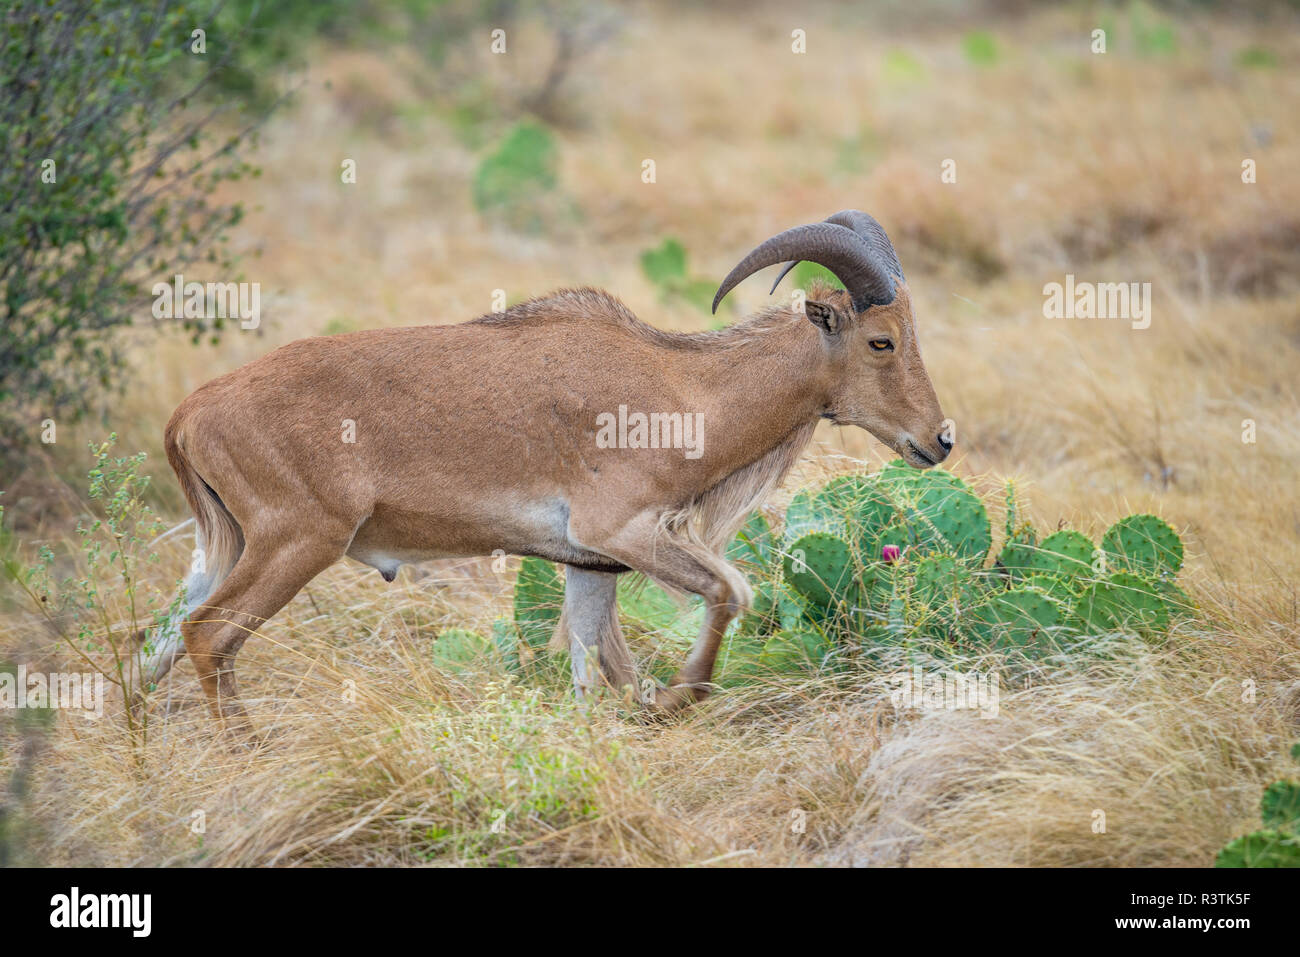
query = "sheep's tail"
x=219 y=542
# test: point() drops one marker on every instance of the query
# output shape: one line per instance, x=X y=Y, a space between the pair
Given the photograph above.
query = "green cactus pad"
x=941 y=578
x=803 y=515
x=1011 y=528
x=1066 y=554
x=801 y=518
x=872 y=518
x=1178 y=603
x=847 y=495
x=944 y=505
x=1017 y=555
x=457 y=648
x=940 y=514
x=1122 y=602
x=1261 y=849
x=505 y=638
x=802 y=649
x=1280 y=806
x=1062 y=590
x=858 y=508
x=1019 y=618
x=1145 y=545
x=754 y=544
x=941 y=588
x=738 y=659
x=820 y=568
x=539 y=599
x=645 y=608
x=773 y=609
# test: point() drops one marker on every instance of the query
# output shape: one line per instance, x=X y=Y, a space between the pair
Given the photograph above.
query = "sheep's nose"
x=944 y=442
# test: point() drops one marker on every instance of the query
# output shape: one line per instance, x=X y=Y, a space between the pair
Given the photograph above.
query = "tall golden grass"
x=1113 y=167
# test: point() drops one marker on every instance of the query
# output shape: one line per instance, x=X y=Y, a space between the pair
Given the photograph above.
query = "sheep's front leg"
x=589 y=625
x=641 y=544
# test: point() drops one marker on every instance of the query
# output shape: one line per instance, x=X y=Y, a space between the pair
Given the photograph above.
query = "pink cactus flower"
x=891 y=554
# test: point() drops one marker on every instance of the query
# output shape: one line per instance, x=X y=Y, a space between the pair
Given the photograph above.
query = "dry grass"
x=1114 y=168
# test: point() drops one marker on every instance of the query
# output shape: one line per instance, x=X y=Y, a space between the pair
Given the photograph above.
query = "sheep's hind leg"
x=262 y=582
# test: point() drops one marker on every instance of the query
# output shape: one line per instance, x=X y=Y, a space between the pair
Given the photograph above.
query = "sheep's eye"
x=882 y=345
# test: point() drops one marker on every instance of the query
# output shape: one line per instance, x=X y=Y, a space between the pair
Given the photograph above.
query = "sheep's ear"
x=823 y=316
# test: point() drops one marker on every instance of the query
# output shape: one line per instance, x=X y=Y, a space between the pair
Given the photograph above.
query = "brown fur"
x=482 y=436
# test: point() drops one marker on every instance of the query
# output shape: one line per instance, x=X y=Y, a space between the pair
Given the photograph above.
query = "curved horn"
x=850 y=244
x=874 y=236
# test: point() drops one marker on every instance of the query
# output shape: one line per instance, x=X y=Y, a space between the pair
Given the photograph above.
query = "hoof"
x=677 y=698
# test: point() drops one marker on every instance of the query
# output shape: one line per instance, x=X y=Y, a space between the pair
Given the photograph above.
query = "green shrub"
x=665 y=267
x=95 y=597
x=980 y=48
x=108 y=188
x=512 y=183
x=1277 y=844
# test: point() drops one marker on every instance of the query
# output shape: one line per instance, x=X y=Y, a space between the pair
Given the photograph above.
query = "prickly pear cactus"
x=809 y=512
x=874 y=519
x=941 y=512
x=754 y=544
x=773 y=608
x=1266 y=848
x=646 y=609
x=796 y=649
x=897 y=556
x=1178 y=603
x=942 y=589
x=819 y=567
x=1065 y=591
x=1280 y=805
x=505 y=640
x=1145 y=545
x=539 y=599
x=1019 y=618
x=457 y=648
x=942 y=579
x=1020 y=539
x=1121 y=602
x=1278 y=844
x=856 y=499
x=1065 y=554
x=943 y=503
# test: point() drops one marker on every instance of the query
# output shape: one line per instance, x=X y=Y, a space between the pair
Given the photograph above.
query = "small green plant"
x=456 y=649
x=980 y=48
x=98 y=600
x=665 y=267
x=514 y=182
x=901 y=67
x=539 y=599
x=1151 y=35
x=1257 y=58
x=1277 y=844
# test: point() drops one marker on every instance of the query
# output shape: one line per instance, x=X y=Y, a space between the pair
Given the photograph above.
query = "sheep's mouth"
x=916 y=456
